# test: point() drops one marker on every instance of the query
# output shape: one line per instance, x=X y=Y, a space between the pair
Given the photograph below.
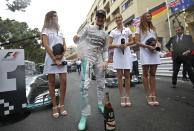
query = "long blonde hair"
x=144 y=25
x=48 y=21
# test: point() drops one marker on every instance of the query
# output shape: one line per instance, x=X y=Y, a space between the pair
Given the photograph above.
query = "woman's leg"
x=146 y=84
x=51 y=78
x=120 y=86
x=127 y=87
x=127 y=82
x=145 y=79
x=120 y=81
x=63 y=83
x=152 y=80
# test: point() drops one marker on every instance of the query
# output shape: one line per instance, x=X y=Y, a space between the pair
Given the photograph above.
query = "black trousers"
x=192 y=61
x=135 y=70
x=79 y=68
x=185 y=72
x=177 y=61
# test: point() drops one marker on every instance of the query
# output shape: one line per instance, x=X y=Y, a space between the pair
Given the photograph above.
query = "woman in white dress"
x=50 y=37
x=122 y=59
x=149 y=57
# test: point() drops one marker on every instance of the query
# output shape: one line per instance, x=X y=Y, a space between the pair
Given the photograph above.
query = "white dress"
x=53 y=39
x=121 y=61
x=148 y=57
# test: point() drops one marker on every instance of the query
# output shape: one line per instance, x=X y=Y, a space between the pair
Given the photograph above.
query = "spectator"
x=69 y=67
x=78 y=63
x=135 y=70
x=181 y=46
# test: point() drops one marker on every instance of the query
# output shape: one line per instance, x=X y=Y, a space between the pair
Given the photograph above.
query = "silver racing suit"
x=93 y=41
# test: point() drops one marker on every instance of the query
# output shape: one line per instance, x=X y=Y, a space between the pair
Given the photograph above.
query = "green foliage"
x=17 y=5
x=17 y=35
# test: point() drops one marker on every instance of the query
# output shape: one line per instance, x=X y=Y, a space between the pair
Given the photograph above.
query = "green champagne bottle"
x=109 y=117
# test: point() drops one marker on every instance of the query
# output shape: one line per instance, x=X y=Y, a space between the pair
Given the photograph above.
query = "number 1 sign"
x=12 y=81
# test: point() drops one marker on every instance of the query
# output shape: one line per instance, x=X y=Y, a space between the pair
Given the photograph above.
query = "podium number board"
x=12 y=82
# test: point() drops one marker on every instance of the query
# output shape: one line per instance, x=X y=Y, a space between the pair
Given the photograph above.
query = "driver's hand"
x=75 y=38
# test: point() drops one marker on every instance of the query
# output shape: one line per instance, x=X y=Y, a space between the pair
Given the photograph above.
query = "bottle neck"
x=107 y=100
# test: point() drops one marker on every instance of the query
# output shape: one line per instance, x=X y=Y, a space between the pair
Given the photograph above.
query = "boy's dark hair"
x=58 y=49
x=101 y=13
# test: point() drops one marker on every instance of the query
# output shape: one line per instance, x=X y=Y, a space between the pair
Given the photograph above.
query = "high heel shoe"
x=55 y=112
x=123 y=104
x=156 y=103
x=127 y=101
x=63 y=112
x=149 y=100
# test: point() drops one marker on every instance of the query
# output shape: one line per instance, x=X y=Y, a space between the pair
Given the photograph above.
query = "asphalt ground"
x=175 y=113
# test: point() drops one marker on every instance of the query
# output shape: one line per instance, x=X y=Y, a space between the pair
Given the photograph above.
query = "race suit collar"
x=98 y=27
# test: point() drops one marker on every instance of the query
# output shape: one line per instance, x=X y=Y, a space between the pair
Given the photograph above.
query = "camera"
x=58 y=49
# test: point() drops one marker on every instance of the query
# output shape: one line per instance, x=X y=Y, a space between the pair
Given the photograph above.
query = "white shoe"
x=123 y=104
x=55 y=112
x=62 y=112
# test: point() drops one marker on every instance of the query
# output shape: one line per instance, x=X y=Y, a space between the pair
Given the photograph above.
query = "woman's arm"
x=64 y=45
x=110 y=43
x=47 y=48
x=137 y=40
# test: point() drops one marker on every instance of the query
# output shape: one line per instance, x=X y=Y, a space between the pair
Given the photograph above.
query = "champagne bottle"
x=109 y=117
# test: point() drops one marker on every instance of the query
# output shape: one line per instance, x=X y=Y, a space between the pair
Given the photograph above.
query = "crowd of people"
x=95 y=56
x=74 y=66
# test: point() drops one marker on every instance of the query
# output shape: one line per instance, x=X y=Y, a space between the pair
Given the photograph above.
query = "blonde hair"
x=48 y=21
x=144 y=25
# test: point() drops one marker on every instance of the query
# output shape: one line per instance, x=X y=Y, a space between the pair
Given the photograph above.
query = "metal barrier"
x=165 y=69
